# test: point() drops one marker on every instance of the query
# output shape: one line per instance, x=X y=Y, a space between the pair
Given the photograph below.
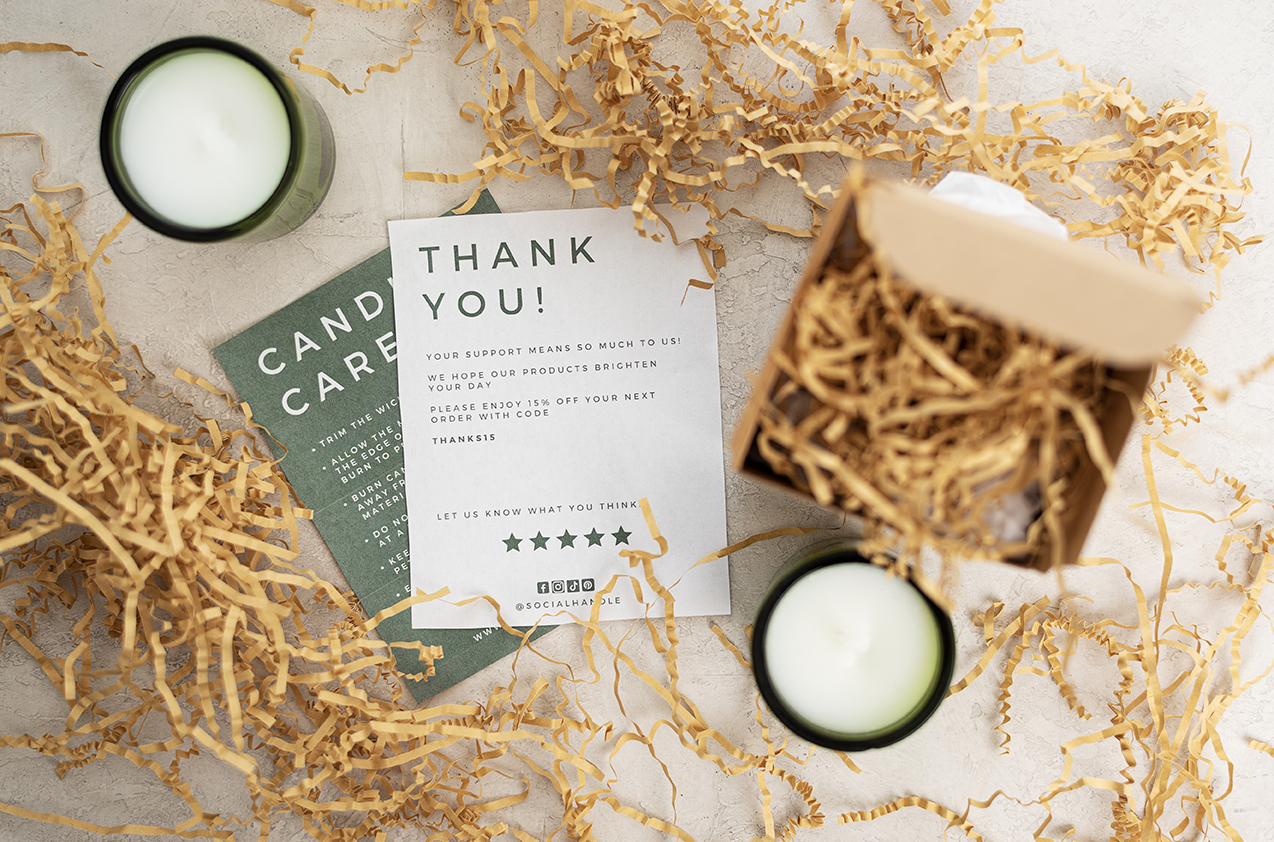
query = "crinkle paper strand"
x=162 y=559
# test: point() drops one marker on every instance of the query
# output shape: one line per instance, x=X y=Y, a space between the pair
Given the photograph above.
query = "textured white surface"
x=176 y=301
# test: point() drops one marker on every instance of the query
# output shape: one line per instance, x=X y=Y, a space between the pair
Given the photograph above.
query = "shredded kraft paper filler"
x=152 y=576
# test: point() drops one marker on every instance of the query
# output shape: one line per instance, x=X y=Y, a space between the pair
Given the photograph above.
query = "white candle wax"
x=204 y=138
x=852 y=650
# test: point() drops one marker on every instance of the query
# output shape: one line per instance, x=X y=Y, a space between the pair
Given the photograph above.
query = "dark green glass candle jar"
x=847 y=655
x=203 y=140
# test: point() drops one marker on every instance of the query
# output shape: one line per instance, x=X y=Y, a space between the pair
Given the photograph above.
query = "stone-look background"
x=176 y=301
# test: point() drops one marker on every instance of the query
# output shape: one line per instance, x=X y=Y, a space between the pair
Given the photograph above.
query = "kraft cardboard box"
x=1072 y=295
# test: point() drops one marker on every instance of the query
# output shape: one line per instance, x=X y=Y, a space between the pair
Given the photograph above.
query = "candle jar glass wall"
x=203 y=140
x=848 y=655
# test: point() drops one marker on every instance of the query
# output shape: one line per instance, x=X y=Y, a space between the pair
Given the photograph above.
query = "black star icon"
x=567 y=539
x=511 y=543
x=621 y=537
x=540 y=542
x=594 y=538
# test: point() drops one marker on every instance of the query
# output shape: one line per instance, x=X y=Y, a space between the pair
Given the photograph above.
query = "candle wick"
x=852 y=639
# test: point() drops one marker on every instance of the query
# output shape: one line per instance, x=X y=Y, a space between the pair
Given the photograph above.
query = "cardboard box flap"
x=1074 y=296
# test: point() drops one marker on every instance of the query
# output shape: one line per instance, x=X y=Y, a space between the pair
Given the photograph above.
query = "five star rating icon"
x=513 y=544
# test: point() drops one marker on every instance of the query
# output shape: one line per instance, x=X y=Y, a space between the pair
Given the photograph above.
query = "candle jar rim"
x=803 y=562
x=112 y=118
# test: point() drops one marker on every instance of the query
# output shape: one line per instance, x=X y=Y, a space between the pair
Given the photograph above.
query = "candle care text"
x=357 y=365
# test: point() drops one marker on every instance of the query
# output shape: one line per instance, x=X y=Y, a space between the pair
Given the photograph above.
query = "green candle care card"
x=557 y=368
x=321 y=375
